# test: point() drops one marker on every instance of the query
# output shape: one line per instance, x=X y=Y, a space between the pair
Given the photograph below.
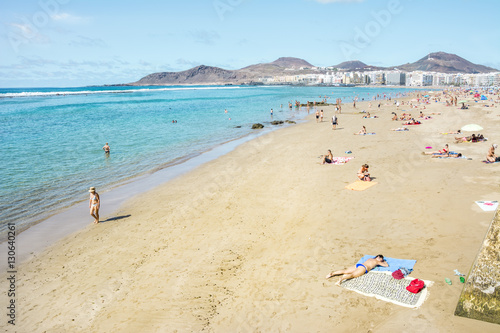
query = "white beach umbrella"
x=471 y=128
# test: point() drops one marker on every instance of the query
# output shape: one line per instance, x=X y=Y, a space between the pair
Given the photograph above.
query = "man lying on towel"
x=359 y=269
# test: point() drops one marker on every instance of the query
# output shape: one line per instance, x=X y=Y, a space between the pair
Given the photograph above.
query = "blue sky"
x=57 y=43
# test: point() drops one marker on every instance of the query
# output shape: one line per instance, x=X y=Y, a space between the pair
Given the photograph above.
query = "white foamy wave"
x=93 y=92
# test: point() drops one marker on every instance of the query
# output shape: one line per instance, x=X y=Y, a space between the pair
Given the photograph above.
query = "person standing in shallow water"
x=106 y=148
x=94 y=204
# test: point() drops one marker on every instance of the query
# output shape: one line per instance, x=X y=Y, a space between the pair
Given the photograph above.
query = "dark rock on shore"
x=317 y=104
x=257 y=126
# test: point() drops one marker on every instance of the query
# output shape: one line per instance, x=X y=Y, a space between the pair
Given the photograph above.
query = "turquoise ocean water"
x=51 y=138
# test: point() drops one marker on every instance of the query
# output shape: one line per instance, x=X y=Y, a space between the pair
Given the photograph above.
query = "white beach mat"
x=383 y=286
x=488 y=206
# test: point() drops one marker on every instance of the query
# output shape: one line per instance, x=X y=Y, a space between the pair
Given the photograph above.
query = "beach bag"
x=402 y=272
x=415 y=286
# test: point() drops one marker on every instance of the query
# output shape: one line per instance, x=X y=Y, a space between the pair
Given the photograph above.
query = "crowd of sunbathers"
x=472 y=138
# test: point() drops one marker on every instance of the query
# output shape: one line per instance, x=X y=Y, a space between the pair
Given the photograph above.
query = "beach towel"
x=340 y=160
x=383 y=286
x=461 y=157
x=372 y=133
x=359 y=185
x=394 y=264
x=488 y=206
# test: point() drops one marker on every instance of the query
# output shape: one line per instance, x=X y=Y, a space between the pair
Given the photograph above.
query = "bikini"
x=94 y=199
x=358 y=265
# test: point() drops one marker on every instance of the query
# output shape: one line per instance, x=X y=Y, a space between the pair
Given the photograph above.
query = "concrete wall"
x=480 y=298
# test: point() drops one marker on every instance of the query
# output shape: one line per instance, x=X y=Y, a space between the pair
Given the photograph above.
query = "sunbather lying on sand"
x=412 y=121
x=359 y=269
x=369 y=116
x=443 y=152
x=400 y=129
x=451 y=132
x=451 y=154
x=466 y=138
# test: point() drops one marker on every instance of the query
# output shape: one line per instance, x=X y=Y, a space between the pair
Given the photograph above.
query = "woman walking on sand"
x=94 y=204
x=334 y=122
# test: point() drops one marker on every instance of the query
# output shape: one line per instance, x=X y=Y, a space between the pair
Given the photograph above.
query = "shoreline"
x=34 y=212
x=244 y=241
x=49 y=230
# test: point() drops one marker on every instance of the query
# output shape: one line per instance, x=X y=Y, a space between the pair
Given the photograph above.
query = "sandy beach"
x=243 y=243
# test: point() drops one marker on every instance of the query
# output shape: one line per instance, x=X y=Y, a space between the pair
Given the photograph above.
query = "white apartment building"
x=414 y=79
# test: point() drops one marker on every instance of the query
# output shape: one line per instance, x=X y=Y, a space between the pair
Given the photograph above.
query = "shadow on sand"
x=116 y=218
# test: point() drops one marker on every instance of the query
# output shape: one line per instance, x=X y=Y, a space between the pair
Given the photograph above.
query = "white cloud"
x=23 y=29
x=66 y=17
x=87 y=42
x=205 y=36
x=27 y=33
x=185 y=62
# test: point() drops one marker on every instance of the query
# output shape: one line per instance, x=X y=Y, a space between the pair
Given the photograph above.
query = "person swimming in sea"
x=359 y=269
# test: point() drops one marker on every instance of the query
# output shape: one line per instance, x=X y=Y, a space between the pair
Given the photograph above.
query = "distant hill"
x=289 y=62
x=443 y=62
x=351 y=65
x=214 y=75
x=276 y=67
x=198 y=75
x=435 y=62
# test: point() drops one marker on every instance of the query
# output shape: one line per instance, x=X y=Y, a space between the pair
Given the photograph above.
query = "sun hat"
x=495 y=145
x=92 y=189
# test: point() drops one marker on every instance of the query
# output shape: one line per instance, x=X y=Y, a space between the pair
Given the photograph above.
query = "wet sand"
x=243 y=243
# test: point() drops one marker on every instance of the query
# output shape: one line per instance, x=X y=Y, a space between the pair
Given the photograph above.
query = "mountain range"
x=434 y=62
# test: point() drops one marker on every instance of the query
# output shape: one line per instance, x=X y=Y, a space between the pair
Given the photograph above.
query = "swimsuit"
x=357 y=265
x=95 y=202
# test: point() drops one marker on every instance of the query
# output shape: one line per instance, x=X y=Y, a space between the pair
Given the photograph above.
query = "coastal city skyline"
x=68 y=43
